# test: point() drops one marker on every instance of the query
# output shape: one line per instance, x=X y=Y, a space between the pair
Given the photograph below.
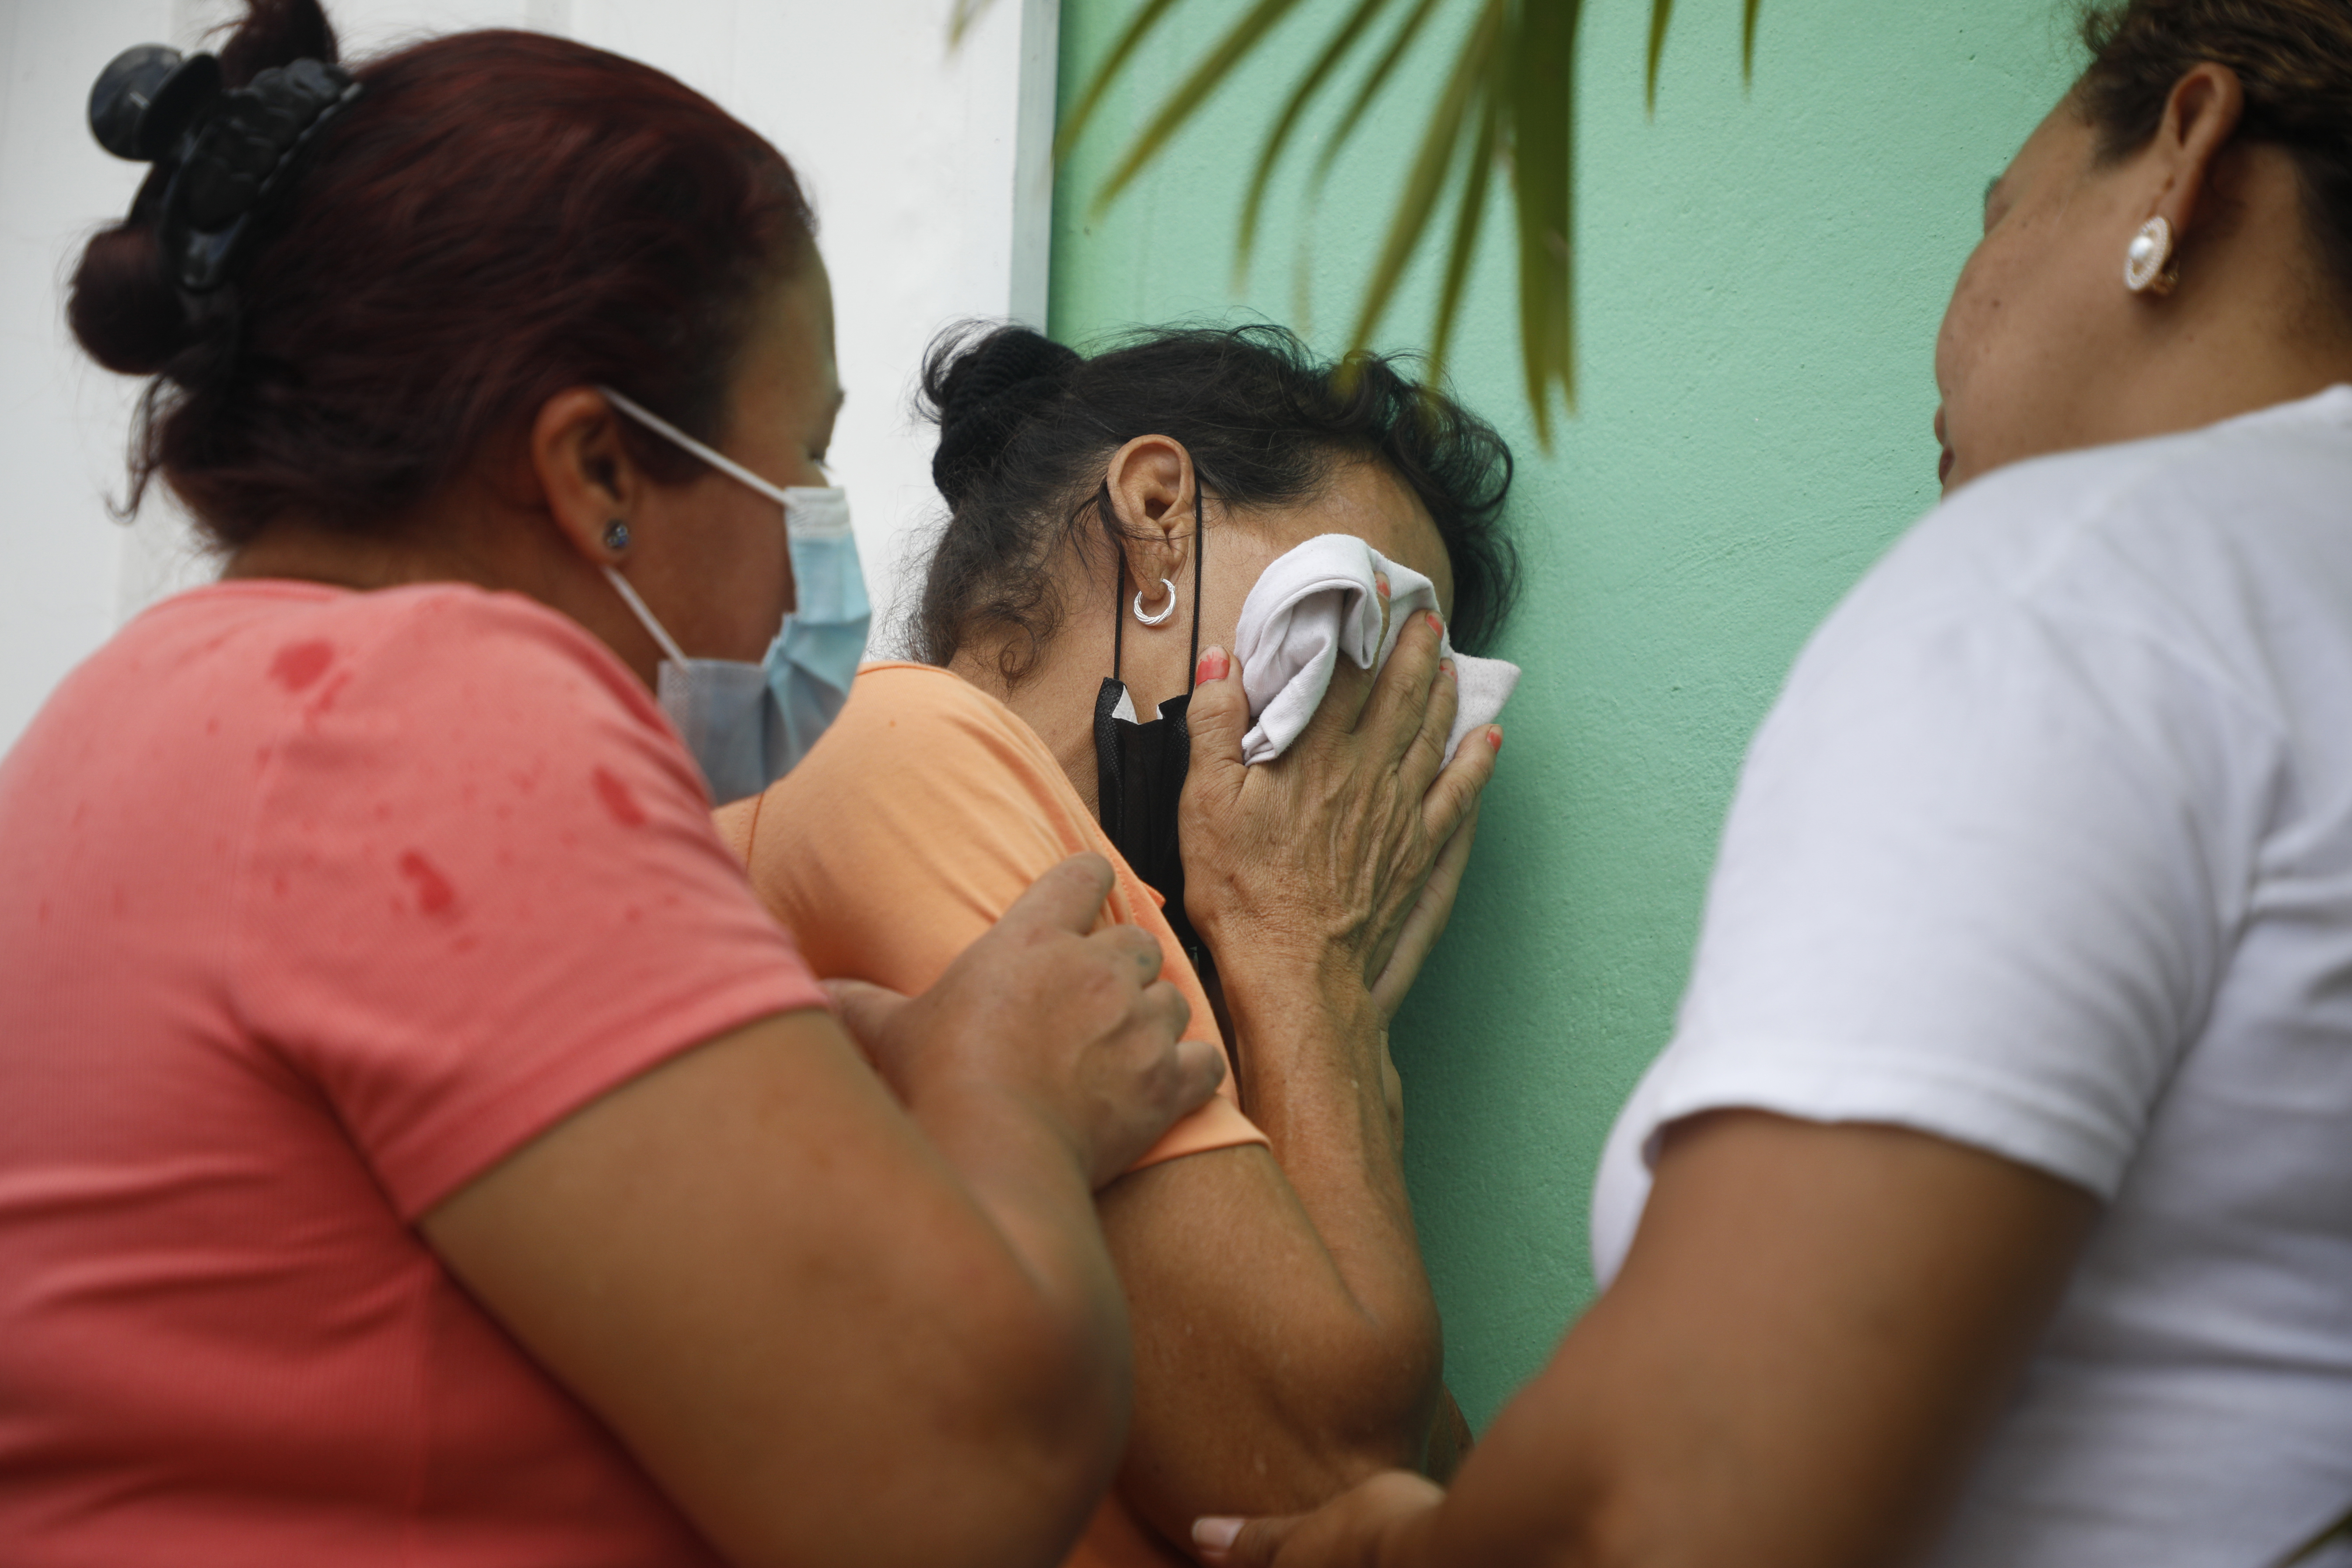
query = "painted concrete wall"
x=928 y=172
x=1760 y=276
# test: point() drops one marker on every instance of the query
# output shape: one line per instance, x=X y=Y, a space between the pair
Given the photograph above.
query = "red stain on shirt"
x=617 y=799
x=300 y=663
x=434 y=893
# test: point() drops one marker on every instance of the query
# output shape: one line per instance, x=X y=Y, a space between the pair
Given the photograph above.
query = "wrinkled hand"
x=1380 y=1524
x=1346 y=852
x=1079 y=1026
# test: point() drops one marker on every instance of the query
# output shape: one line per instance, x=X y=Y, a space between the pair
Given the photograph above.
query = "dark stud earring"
x=616 y=536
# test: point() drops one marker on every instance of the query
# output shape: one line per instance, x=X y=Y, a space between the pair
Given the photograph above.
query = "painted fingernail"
x=1216 y=1534
x=1445 y=667
x=1213 y=667
x=1434 y=624
x=1495 y=737
x=1381 y=585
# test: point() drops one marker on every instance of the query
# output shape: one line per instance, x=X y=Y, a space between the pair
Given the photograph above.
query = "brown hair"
x=2293 y=59
x=498 y=217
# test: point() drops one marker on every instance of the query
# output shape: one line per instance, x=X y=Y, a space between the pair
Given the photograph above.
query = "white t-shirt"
x=2047 y=849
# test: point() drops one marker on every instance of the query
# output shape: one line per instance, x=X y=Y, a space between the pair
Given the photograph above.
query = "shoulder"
x=442 y=633
x=926 y=809
x=445 y=674
x=924 y=747
x=2119 y=521
x=920 y=757
x=916 y=708
x=2189 y=549
x=489 y=718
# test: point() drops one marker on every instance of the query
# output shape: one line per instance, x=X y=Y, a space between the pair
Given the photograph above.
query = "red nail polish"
x=1381 y=585
x=1434 y=624
x=1213 y=667
x=1495 y=737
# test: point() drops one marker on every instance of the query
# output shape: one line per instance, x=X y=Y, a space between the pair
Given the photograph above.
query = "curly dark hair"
x=2294 y=58
x=1027 y=425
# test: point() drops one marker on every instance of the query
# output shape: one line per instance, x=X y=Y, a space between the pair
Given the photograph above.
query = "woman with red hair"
x=421 y=1146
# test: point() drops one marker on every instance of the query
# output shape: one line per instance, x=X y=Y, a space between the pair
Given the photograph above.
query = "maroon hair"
x=500 y=216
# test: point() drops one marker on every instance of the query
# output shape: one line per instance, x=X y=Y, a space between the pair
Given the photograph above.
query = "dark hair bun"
x=123 y=306
x=981 y=389
x=122 y=309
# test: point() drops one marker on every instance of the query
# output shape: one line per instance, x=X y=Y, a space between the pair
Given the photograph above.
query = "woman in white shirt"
x=1992 y=1204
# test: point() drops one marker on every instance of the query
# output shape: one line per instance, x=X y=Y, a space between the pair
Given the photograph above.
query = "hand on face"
x=1323 y=857
x=1081 y=1026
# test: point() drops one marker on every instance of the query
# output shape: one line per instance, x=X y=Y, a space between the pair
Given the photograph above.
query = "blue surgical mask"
x=747 y=724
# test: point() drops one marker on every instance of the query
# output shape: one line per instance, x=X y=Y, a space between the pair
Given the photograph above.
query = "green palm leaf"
x=1510 y=98
x=1370 y=88
x=1343 y=42
x=1181 y=104
x=1440 y=143
x=1660 y=13
x=1540 y=115
x=1469 y=214
x=1151 y=16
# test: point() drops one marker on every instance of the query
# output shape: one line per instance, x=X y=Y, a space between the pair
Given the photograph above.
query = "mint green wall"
x=1760 y=274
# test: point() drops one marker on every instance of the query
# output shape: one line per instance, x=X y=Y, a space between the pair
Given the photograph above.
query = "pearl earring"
x=2149 y=264
x=616 y=536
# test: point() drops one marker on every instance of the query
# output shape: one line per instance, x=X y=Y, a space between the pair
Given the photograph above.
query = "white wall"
x=928 y=172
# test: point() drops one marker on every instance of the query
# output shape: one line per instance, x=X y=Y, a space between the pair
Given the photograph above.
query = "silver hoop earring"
x=1162 y=617
x=616 y=536
x=2149 y=264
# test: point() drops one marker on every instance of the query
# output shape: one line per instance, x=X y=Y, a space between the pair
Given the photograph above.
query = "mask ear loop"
x=1118 y=591
x=1192 y=665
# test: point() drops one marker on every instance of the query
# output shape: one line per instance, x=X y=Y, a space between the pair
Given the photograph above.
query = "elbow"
x=1346 y=1401
x=988 y=1442
x=1037 y=1434
x=1375 y=1400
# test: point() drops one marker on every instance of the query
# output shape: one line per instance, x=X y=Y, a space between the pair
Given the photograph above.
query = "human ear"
x=2200 y=118
x=1149 y=481
x=585 y=472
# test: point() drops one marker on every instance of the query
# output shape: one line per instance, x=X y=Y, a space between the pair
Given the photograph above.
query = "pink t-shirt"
x=313 y=906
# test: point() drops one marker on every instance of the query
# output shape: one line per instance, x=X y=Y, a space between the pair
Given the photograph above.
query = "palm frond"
x=1151 y=16
x=1440 y=143
x=1195 y=90
x=1342 y=42
x=1541 y=125
x=1508 y=98
x=1660 y=13
x=1470 y=214
x=1370 y=88
x=961 y=19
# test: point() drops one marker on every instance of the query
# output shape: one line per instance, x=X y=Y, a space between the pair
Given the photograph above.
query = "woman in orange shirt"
x=1286 y=1342
x=420 y=1148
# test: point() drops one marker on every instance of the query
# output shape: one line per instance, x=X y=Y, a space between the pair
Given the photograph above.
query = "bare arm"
x=1287 y=1341
x=1811 y=1336
x=832 y=1331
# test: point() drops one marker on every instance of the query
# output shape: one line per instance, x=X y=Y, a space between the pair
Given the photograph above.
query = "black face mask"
x=1140 y=769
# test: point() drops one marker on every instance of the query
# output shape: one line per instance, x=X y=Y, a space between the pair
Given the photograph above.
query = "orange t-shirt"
x=927 y=809
x=908 y=831
x=313 y=906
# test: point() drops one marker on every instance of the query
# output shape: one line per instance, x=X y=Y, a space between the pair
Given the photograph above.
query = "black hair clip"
x=220 y=157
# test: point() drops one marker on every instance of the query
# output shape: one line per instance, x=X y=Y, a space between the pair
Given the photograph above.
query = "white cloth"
x=2047 y=849
x=1319 y=602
